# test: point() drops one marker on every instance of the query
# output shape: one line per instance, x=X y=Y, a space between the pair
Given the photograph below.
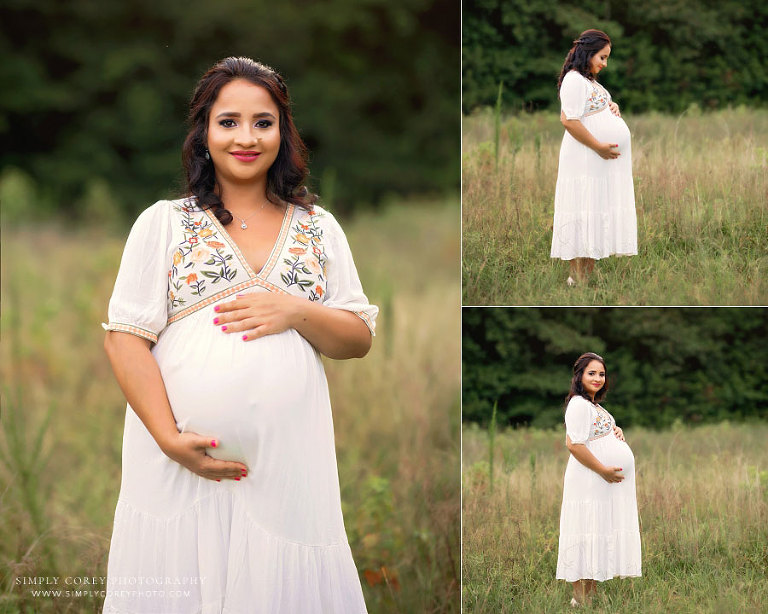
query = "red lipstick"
x=245 y=156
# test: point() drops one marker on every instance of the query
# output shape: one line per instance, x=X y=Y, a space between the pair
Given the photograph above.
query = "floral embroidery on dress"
x=201 y=247
x=603 y=423
x=598 y=98
x=305 y=268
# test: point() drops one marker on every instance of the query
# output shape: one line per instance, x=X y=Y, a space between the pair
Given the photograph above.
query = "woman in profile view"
x=599 y=528
x=224 y=302
x=594 y=196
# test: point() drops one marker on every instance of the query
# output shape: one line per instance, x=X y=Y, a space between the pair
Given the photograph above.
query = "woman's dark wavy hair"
x=584 y=47
x=285 y=178
x=577 y=388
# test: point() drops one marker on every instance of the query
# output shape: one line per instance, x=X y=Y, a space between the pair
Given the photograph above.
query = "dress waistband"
x=596 y=111
x=601 y=435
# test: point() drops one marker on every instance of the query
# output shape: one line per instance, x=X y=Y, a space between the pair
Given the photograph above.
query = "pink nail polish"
x=216 y=308
x=218 y=480
x=223 y=328
x=237 y=479
x=215 y=320
x=213 y=443
x=245 y=337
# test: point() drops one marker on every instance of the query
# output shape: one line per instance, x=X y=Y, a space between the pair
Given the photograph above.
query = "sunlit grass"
x=701 y=190
x=396 y=412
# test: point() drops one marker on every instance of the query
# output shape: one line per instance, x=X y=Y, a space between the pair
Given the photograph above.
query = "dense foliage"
x=665 y=56
x=95 y=93
x=664 y=364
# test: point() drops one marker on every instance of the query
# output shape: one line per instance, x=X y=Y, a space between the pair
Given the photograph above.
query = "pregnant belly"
x=237 y=392
x=607 y=127
x=615 y=453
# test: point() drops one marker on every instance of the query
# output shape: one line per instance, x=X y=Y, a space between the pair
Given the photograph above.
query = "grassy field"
x=703 y=505
x=396 y=412
x=701 y=192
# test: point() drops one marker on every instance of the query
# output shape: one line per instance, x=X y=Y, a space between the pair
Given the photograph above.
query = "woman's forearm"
x=582 y=454
x=336 y=333
x=139 y=377
x=579 y=132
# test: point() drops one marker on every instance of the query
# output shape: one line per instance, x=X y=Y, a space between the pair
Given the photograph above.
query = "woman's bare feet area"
x=583 y=590
x=581 y=270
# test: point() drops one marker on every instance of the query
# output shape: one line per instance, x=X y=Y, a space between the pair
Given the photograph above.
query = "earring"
x=207 y=155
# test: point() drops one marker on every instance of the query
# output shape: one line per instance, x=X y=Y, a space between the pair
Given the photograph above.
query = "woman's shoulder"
x=315 y=211
x=574 y=81
x=319 y=217
x=154 y=213
x=574 y=75
x=166 y=213
x=166 y=206
x=578 y=401
x=188 y=204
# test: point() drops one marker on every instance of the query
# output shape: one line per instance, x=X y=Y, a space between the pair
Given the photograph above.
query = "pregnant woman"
x=599 y=530
x=594 y=196
x=229 y=501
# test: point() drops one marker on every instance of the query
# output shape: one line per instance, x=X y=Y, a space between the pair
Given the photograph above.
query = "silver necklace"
x=243 y=225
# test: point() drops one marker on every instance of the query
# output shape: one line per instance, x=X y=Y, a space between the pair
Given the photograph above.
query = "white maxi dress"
x=273 y=542
x=594 y=198
x=599 y=528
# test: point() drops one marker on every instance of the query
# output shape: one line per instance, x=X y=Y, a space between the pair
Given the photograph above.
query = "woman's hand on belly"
x=336 y=333
x=256 y=314
x=188 y=449
x=614 y=109
x=607 y=151
x=619 y=433
x=583 y=454
x=612 y=474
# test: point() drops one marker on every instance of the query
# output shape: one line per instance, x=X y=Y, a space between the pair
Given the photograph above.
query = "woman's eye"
x=263 y=123
x=227 y=123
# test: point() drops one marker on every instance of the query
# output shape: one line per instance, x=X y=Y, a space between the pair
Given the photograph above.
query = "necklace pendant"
x=243 y=225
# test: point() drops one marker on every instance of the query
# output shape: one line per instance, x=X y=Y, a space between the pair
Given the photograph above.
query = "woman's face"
x=243 y=132
x=593 y=378
x=600 y=60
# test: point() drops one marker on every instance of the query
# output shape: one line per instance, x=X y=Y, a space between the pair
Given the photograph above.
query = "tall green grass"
x=396 y=412
x=703 y=506
x=701 y=191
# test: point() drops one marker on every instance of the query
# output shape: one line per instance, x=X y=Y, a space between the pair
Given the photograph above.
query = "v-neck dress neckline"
x=277 y=246
x=196 y=263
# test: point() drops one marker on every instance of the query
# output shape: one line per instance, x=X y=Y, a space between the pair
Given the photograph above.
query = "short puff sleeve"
x=343 y=287
x=573 y=95
x=139 y=299
x=578 y=419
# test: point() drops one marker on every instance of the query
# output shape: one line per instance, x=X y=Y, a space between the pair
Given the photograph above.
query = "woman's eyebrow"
x=236 y=114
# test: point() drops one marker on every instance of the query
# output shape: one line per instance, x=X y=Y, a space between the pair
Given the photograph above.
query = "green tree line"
x=666 y=55
x=695 y=365
x=95 y=93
